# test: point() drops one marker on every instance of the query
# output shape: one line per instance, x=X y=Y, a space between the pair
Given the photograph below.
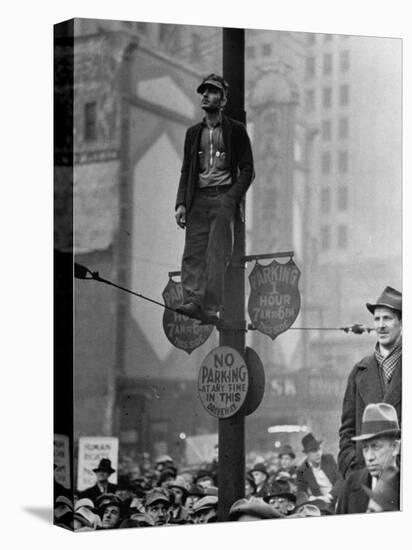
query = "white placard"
x=91 y=451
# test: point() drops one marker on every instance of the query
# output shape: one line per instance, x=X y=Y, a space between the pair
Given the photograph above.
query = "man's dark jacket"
x=306 y=481
x=239 y=157
x=364 y=387
x=94 y=492
x=353 y=498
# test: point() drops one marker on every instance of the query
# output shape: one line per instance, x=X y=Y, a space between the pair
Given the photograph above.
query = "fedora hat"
x=386 y=491
x=254 y=507
x=378 y=419
x=390 y=298
x=310 y=443
x=287 y=450
x=105 y=465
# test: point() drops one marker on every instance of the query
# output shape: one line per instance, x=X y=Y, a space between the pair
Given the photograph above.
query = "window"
x=250 y=52
x=325 y=237
x=325 y=200
x=310 y=68
x=327 y=63
x=326 y=130
x=343 y=162
x=267 y=49
x=309 y=100
x=344 y=61
x=327 y=97
x=326 y=163
x=342 y=236
x=343 y=131
x=90 y=121
x=342 y=198
x=344 y=94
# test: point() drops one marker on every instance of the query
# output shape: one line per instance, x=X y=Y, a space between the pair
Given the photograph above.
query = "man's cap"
x=203 y=474
x=168 y=473
x=213 y=80
x=157 y=495
x=280 y=488
x=205 y=503
x=255 y=507
x=163 y=459
x=378 y=419
x=259 y=467
x=386 y=491
x=310 y=443
x=390 y=298
x=107 y=499
x=287 y=450
x=179 y=483
x=105 y=465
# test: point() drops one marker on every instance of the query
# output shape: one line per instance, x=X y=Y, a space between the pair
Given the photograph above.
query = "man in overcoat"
x=216 y=173
x=377 y=378
x=102 y=486
x=379 y=437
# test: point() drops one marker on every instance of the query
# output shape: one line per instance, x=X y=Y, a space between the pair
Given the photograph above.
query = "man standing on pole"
x=216 y=173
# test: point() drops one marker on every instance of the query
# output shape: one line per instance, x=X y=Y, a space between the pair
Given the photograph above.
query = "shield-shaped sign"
x=182 y=331
x=274 y=300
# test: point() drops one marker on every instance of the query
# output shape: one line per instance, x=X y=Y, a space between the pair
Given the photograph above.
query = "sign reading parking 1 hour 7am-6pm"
x=274 y=300
x=223 y=382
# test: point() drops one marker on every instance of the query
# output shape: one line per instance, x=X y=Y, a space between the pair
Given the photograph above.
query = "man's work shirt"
x=213 y=165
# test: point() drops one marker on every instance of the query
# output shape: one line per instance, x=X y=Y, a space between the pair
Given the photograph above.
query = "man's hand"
x=180 y=216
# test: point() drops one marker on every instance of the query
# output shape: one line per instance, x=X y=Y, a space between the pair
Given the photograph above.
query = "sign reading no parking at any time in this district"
x=223 y=382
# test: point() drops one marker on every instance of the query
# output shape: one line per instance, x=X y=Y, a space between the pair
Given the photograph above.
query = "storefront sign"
x=182 y=331
x=223 y=382
x=274 y=300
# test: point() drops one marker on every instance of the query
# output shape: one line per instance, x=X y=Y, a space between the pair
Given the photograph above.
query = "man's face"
x=212 y=99
x=178 y=495
x=314 y=457
x=110 y=517
x=281 y=504
x=159 y=512
x=379 y=453
x=286 y=461
x=102 y=476
x=388 y=327
x=259 y=477
x=248 y=489
x=191 y=500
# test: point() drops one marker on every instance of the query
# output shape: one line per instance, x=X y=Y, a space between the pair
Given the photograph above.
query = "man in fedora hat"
x=103 y=471
x=377 y=378
x=261 y=476
x=216 y=173
x=318 y=477
x=379 y=437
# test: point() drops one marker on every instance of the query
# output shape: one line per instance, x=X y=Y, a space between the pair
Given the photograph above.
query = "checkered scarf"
x=388 y=363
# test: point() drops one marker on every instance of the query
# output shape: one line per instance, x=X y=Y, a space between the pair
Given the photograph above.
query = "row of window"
x=327 y=97
x=343 y=129
x=326 y=199
x=266 y=51
x=326 y=237
x=342 y=165
x=327 y=64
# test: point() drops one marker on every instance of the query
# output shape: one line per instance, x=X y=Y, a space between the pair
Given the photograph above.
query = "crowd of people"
x=365 y=478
